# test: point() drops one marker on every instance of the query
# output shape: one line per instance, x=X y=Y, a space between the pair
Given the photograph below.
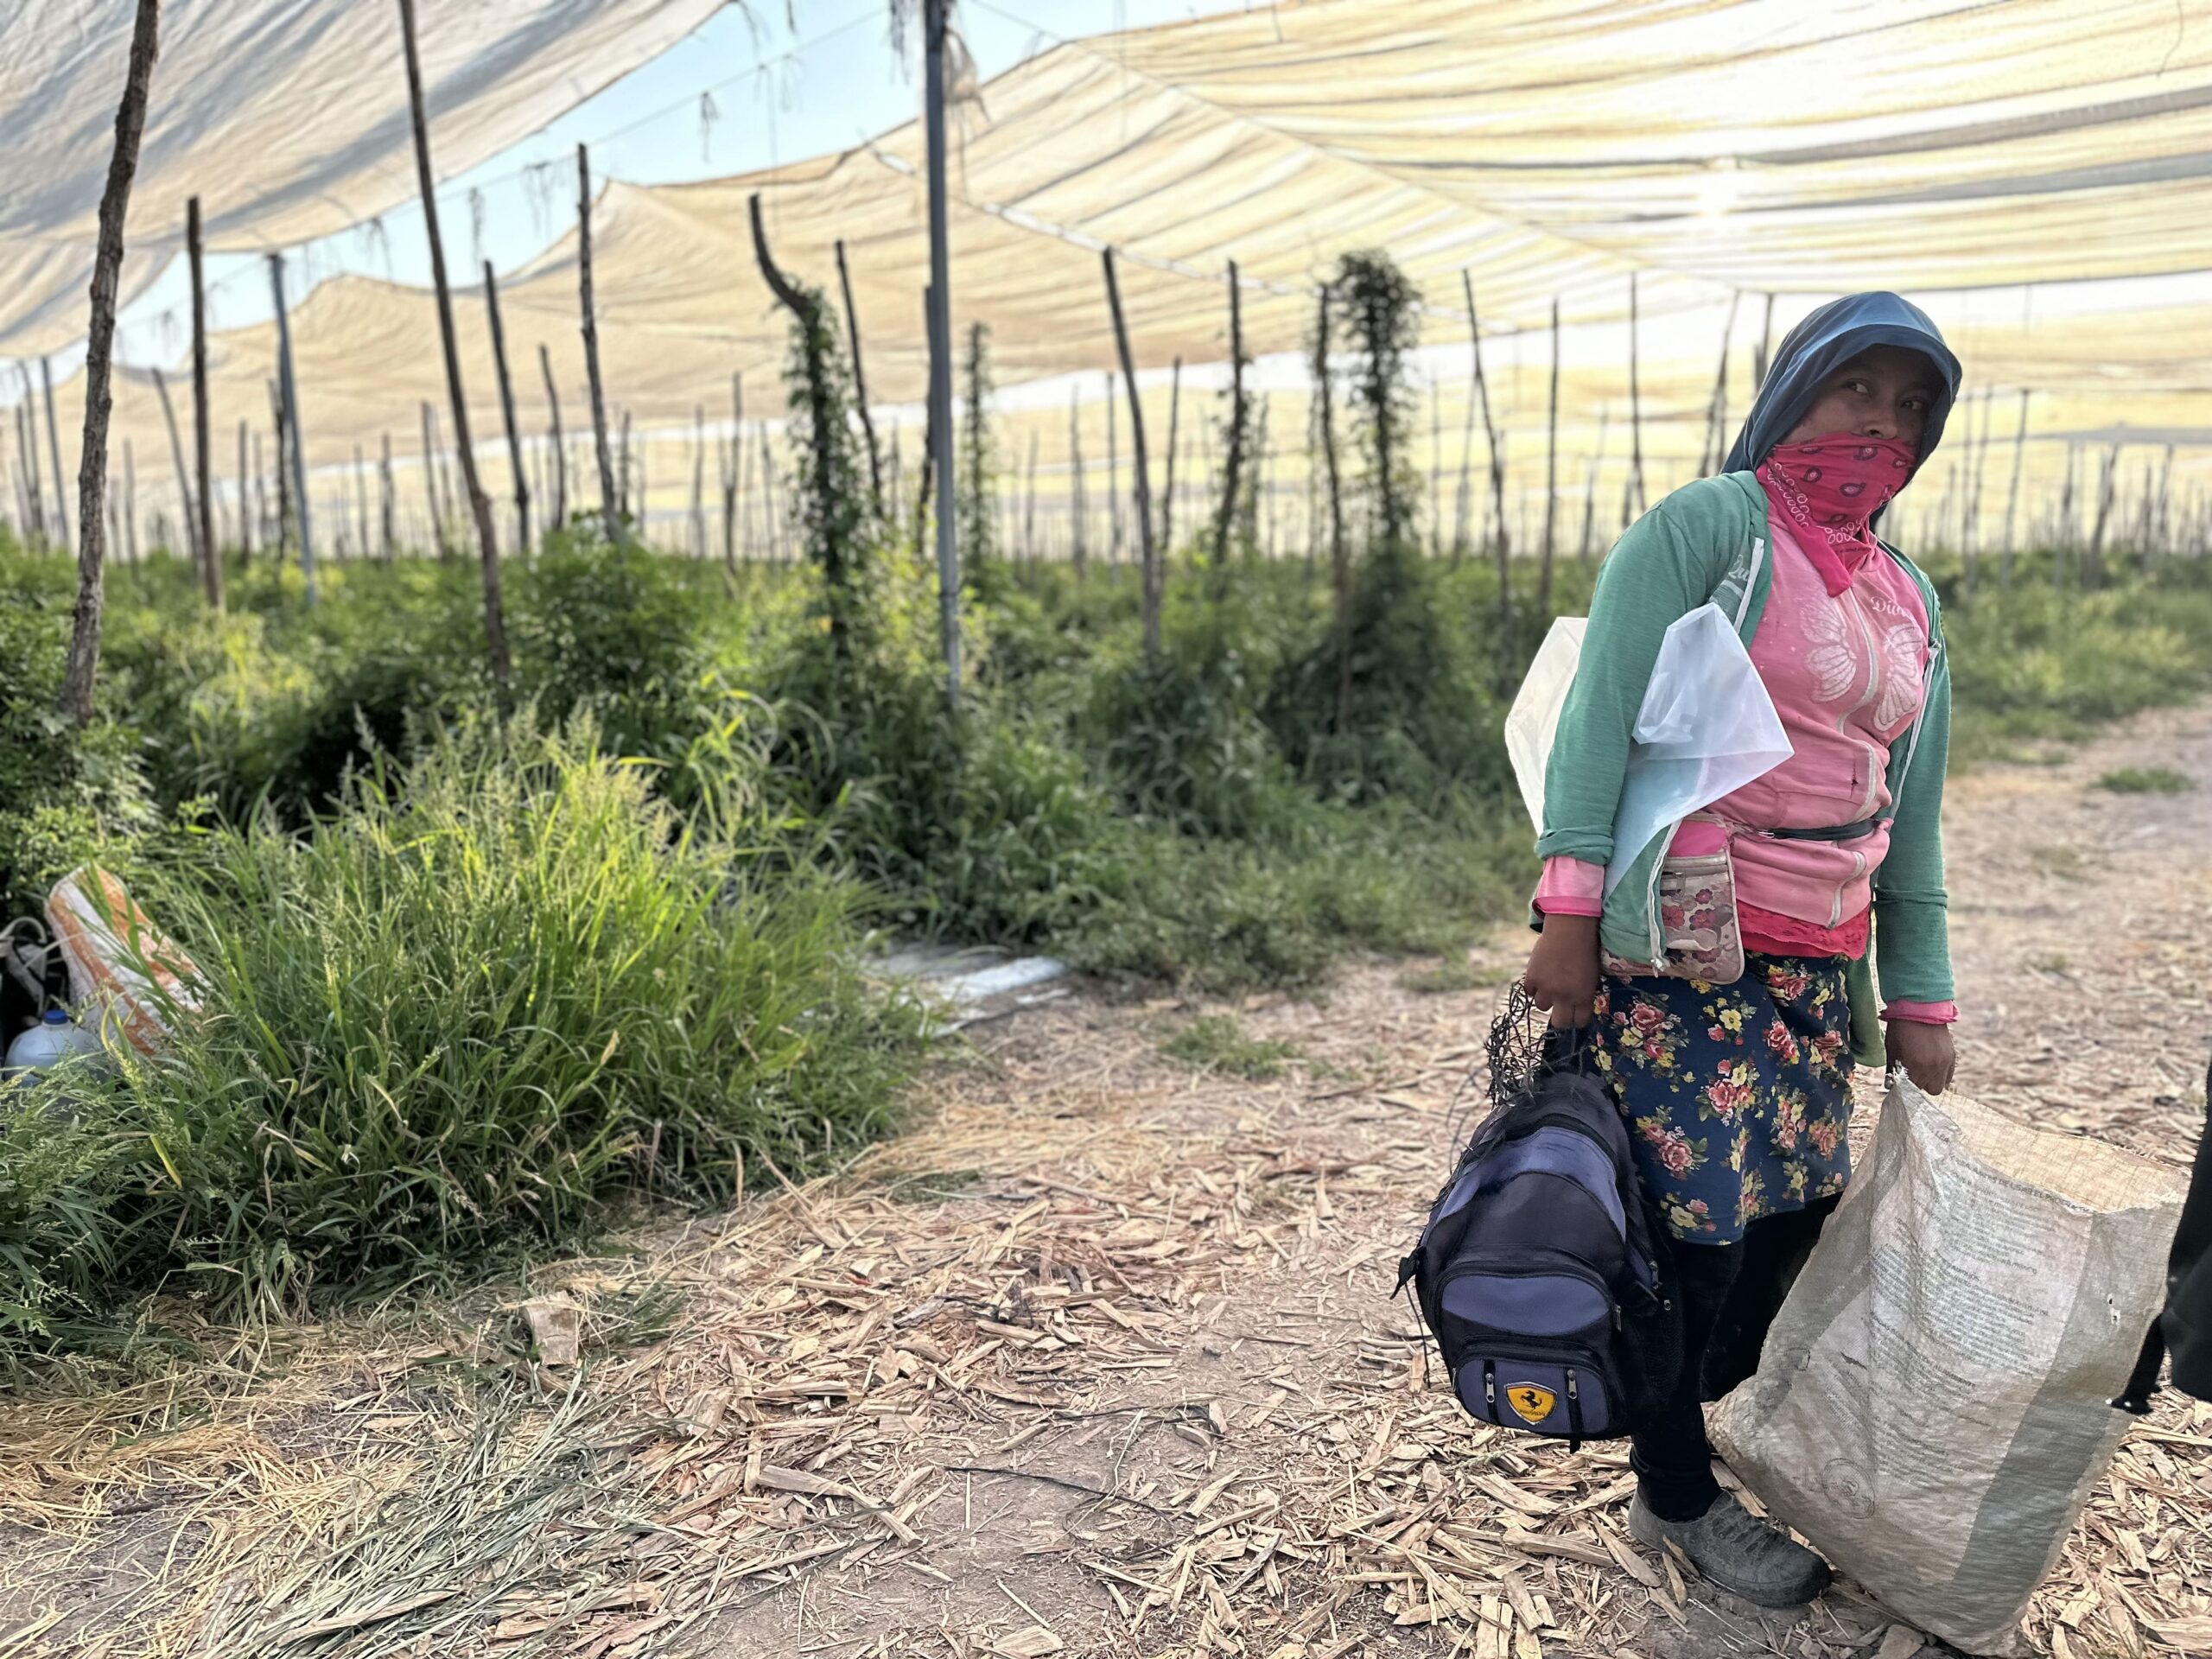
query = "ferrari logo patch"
x=1530 y=1403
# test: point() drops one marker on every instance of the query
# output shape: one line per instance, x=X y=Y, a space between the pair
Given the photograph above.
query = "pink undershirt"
x=1572 y=886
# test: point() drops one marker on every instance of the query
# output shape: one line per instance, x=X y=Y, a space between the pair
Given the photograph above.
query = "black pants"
x=1730 y=1295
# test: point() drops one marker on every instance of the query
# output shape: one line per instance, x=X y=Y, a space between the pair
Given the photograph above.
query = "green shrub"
x=498 y=989
x=66 y=794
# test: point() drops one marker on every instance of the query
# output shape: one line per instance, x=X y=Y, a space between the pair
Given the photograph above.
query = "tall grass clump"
x=500 y=988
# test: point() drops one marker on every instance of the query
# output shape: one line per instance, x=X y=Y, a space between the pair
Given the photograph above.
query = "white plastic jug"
x=47 y=1044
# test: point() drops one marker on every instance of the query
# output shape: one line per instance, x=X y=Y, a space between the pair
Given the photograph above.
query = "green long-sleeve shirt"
x=1709 y=543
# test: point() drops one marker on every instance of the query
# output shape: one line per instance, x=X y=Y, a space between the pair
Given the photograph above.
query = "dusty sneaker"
x=1743 y=1556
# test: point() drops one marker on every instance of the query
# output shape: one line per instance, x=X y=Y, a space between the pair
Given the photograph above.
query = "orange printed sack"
x=123 y=973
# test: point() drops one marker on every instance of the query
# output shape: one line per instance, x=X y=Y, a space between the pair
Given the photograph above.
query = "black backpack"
x=1543 y=1272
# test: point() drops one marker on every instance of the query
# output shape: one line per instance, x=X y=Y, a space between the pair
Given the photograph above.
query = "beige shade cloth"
x=2025 y=171
x=288 y=117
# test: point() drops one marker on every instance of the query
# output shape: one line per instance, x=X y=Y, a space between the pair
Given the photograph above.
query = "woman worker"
x=1737 y=1095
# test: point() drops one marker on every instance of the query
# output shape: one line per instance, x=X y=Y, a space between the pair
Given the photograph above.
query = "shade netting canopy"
x=2034 y=173
x=287 y=117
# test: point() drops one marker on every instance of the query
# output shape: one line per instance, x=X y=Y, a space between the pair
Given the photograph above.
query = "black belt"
x=1838 y=832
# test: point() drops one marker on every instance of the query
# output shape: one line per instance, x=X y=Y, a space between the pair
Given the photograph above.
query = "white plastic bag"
x=1930 y=1408
x=1534 y=718
x=126 y=976
x=1707 y=727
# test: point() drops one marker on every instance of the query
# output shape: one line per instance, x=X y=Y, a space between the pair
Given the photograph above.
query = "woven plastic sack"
x=123 y=972
x=1930 y=1409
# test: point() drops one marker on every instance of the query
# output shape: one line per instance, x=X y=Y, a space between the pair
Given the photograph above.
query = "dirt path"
x=1100 y=1359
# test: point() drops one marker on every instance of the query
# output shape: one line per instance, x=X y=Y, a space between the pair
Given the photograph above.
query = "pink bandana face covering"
x=1827 y=488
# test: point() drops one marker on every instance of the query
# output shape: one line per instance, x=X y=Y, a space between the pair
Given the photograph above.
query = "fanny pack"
x=1701 y=936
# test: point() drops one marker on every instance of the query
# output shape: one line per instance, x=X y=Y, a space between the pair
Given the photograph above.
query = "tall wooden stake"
x=1113 y=483
x=1716 y=410
x=479 y=504
x=430 y=479
x=1590 y=492
x=1078 y=504
x=559 y=448
x=130 y=503
x=2011 y=496
x=1766 y=347
x=290 y=431
x=1635 y=402
x=27 y=440
x=1497 y=460
x=610 y=517
x=360 y=503
x=1551 y=477
x=54 y=444
x=940 y=319
x=210 y=558
x=1149 y=588
x=387 y=505
x=76 y=701
x=507 y=409
x=245 y=510
x=1231 y=479
x=1339 y=551
x=185 y=511
x=860 y=382
x=1168 y=489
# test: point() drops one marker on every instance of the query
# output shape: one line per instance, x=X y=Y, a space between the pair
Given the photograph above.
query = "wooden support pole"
x=479 y=504
x=860 y=383
x=1232 y=473
x=1635 y=401
x=1501 y=543
x=360 y=504
x=1590 y=492
x=622 y=488
x=2012 y=496
x=508 y=411
x=290 y=432
x=54 y=443
x=1113 y=482
x=1339 y=550
x=190 y=518
x=610 y=515
x=559 y=448
x=771 y=519
x=75 y=705
x=1150 y=584
x=430 y=478
x=281 y=529
x=245 y=509
x=210 y=558
x=1715 y=450
x=733 y=491
x=1029 y=505
x=1551 y=477
x=698 y=527
x=27 y=438
x=130 y=503
x=1077 y=505
x=940 y=337
x=387 y=505
x=1766 y=348
x=1168 y=489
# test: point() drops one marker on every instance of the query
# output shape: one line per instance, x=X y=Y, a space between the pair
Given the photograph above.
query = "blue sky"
x=782 y=84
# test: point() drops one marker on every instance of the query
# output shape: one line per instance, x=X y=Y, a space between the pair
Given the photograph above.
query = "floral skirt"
x=1738 y=1096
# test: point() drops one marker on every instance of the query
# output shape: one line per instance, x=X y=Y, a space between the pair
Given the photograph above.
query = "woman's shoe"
x=1743 y=1555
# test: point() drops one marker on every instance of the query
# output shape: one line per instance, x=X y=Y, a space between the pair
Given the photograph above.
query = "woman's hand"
x=1562 y=975
x=1925 y=1051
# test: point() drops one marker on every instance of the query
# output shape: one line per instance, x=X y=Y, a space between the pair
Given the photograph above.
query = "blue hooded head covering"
x=1823 y=343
